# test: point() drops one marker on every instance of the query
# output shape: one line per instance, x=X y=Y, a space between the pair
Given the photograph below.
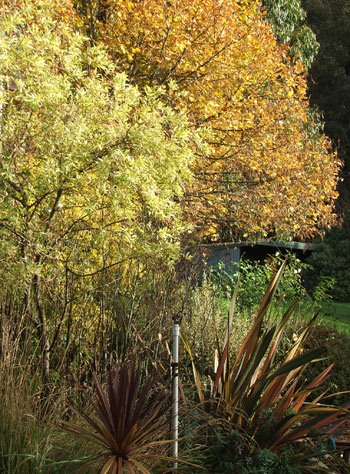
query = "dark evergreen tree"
x=329 y=77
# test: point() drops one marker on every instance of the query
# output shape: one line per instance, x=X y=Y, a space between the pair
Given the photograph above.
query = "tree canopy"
x=262 y=168
x=266 y=170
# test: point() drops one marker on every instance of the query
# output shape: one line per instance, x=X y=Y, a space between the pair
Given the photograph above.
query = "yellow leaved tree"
x=91 y=173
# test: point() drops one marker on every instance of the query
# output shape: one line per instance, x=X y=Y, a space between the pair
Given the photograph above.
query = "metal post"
x=175 y=410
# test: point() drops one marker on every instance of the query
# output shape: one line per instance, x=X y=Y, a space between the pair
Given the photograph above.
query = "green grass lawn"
x=337 y=314
x=332 y=314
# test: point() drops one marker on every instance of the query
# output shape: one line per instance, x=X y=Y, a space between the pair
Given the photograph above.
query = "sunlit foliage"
x=91 y=170
x=267 y=171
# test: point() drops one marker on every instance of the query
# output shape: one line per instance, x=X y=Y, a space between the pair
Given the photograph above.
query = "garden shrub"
x=337 y=347
x=221 y=449
x=264 y=462
x=255 y=276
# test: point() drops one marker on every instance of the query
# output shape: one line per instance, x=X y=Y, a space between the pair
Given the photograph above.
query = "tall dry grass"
x=30 y=438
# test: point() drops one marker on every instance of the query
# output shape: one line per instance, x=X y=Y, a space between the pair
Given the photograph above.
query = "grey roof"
x=267 y=243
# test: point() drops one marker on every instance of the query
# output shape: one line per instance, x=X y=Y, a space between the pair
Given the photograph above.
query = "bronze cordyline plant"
x=256 y=383
x=129 y=429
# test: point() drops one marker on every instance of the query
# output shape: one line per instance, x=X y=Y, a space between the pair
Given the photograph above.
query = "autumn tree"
x=91 y=170
x=266 y=170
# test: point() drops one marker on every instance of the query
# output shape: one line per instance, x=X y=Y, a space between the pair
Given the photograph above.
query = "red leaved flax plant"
x=128 y=429
x=257 y=384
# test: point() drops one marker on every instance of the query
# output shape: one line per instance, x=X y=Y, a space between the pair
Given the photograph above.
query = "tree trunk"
x=42 y=331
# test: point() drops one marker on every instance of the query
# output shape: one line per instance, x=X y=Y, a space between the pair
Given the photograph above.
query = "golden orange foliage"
x=265 y=170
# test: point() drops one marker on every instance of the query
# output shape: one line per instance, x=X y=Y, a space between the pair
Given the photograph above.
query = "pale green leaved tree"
x=91 y=170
